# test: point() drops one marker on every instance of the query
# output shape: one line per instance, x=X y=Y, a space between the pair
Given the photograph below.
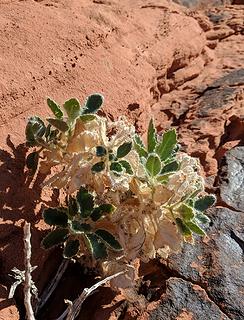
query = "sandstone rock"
x=231 y=177
x=185 y=301
x=216 y=263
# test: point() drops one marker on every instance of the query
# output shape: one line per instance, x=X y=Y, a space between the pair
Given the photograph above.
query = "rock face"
x=232 y=178
x=148 y=58
x=184 y=300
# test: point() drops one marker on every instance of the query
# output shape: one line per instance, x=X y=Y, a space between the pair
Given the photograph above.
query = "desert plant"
x=125 y=199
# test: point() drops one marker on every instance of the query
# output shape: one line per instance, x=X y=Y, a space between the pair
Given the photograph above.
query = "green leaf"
x=85 y=201
x=167 y=144
x=97 y=248
x=151 y=137
x=202 y=218
x=54 y=238
x=116 y=166
x=71 y=248
x=78 y=227
x=100 y=151
x=139 y=146
x=101 y=211
x=98 y=167
x=195 y=228
x=55 y=108
x=183 y=228
x=153 y=165
x=87 y=117
x=124 y=149
x=109 y=239
x=126 y=165
x=163 y=178
x=204 y=203
x=186 y=212
x=73 y=209
x=48 y=131
x=170 y=167
x=72 y=108
x=55 y=217
x=59 y=124
x=32 y=161
x=93 y=103
x=35 y=128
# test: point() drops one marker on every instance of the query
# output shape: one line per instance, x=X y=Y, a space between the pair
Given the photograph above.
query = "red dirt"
x=146 y=59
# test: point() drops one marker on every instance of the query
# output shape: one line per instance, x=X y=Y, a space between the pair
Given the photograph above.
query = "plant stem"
x=28 y=269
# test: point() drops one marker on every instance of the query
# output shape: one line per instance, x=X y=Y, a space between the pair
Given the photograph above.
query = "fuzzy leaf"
x=126 y=165
x=124 y=149
x=139 y=146
x=55 y=217
x=72 y=108
x=167 y=144
x=96 y=247
x=109 y=239
x=32 y=161
x=78 y=227
x=93 y=103
x=153 y=165
x=59 y=124
x=73 y=209
x=71 y=248
x=195 y=228
x=116 y=166
x=85 y=201
x=55 y=108
x=183 y=228
x=54 y=238
x=186 y=212
x=101 y=211
x=98 y=167
x=204 y=203
x=151 y=137
x=100 y=151
x=202 y=218
x=170 y=167
x=87 y=117
x=35 y=128
x=163 y=178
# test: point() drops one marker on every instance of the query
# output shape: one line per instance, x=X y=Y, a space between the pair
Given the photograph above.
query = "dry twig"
x=52 y=286
x=28 y=269
x=74 y=308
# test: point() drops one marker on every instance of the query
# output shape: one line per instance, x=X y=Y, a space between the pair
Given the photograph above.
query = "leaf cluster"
x=77 y=224
x=48 y=136
x=159 y=156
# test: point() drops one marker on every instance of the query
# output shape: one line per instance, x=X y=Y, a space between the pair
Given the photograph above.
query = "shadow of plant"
x=19 y=197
